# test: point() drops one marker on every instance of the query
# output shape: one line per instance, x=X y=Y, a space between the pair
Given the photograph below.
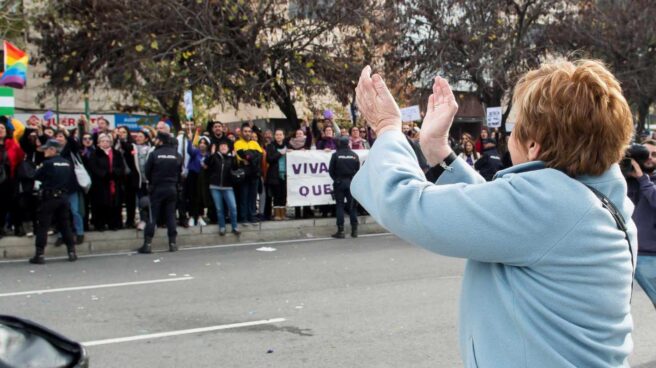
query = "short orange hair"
x=577 y=112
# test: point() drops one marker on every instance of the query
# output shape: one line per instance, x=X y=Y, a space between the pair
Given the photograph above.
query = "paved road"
x=372 y=302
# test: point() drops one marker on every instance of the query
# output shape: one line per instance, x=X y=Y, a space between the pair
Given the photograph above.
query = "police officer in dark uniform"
x=163 y=171
x=344 y=164
x=57 y=178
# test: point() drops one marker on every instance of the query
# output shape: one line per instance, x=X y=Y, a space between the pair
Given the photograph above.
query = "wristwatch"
x=434 y=172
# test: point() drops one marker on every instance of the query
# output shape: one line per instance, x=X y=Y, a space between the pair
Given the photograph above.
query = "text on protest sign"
x=494 y=117
x=69 y=121
x=308 y=180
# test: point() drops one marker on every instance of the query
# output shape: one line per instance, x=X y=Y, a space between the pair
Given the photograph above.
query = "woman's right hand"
x=376 y=103
x=441 y=110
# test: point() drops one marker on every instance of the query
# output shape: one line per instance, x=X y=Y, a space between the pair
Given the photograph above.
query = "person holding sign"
x=551 y=284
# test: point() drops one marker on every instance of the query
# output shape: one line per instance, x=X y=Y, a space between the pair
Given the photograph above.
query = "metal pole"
x=57 y=107
x=86 y=107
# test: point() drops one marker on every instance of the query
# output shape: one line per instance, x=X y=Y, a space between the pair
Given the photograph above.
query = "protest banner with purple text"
x=308 y=181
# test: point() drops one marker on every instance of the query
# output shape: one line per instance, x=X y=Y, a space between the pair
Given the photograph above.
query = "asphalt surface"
x=370 y=302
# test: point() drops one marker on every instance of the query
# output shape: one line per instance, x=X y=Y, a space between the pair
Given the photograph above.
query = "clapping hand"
x=376 y=103
x=441 y=110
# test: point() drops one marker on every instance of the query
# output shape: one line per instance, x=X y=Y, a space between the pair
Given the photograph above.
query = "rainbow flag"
x=15 y=74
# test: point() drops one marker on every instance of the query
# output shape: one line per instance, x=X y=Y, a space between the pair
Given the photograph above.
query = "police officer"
x=163 y=171
x=344 y=164
x=57 y=179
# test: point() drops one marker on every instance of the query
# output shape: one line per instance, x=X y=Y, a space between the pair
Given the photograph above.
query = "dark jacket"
x=56 y=173
x=71 y=148
x=642 y=192
x=344 y=163
x=132 y=177
x=218 y=169
x=164 y=166
x=103 y=179
x=272 y=157
x=326 y=143
x=488 y=166
x=216 y=141
x=421 y=159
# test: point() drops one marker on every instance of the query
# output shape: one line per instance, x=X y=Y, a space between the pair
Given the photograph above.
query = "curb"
x=121 y=241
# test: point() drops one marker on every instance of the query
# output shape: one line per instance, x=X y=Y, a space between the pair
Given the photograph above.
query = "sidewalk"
x=128 y=240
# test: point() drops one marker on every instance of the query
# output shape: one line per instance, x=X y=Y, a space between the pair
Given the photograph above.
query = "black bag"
x=3 y=174
x=238 y=175
x=3 y=166
x=26 y=170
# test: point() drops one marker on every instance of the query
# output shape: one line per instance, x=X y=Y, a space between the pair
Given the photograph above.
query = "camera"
x=637 y=152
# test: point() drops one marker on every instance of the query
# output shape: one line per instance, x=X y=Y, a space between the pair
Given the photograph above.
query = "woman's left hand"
x=376 y=103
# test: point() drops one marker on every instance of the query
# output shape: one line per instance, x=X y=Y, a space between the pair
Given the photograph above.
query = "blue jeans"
x=646 y=276
x=78 y=221
x=219 y=195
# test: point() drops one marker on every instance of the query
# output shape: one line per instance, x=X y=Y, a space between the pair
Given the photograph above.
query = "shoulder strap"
x=621 y=225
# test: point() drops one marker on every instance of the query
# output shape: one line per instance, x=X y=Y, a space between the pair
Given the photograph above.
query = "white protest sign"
x=509 y=126
x=188 y=104
x=494 y=117
x=410 y=113
x=308 y=180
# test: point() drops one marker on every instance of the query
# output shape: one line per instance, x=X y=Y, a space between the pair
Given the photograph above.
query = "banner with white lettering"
x=308 y=180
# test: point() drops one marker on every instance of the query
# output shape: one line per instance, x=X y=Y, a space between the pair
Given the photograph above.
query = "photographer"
x=641 y=181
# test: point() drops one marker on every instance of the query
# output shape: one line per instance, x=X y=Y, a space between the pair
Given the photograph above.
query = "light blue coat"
x=548 y=277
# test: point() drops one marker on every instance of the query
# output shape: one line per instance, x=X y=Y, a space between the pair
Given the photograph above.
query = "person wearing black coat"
x=163 y=171
x=70 y=152
x=219 y=166
x=344 y=164
x=131 y=181
x=27 y=195
x=276 y=178
x=106 y=168
x=215 y=131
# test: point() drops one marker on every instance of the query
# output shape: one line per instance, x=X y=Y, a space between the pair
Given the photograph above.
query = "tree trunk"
x=286 y=105
x=170 y=106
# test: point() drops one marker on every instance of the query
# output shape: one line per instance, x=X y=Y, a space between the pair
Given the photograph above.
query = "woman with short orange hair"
x=551 y=284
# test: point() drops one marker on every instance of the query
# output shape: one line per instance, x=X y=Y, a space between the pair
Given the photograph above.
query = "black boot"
x=79 y=239
x=354 y=231
x=38 y=257
x=172 y=246
x=340 y=233
x=72 y=256
x=145 y=248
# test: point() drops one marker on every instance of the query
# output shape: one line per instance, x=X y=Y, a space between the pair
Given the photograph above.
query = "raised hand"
x=376 y=103
x=441 y=110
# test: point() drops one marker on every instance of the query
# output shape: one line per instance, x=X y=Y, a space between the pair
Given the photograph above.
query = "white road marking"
x=101 y=286
x=182 y=332
x=232 y=245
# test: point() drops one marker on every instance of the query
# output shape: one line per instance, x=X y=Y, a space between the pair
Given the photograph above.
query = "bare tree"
x=487 y=44
x=253 y=51
x=622 y=34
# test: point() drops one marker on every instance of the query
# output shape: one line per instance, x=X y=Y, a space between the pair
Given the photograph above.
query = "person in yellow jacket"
x=249 y=156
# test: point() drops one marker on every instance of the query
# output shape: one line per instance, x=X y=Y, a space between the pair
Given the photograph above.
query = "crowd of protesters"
x=236 y=177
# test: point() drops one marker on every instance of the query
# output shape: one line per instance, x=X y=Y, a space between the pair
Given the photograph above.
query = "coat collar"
x=613 y=173
x=525 y=167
